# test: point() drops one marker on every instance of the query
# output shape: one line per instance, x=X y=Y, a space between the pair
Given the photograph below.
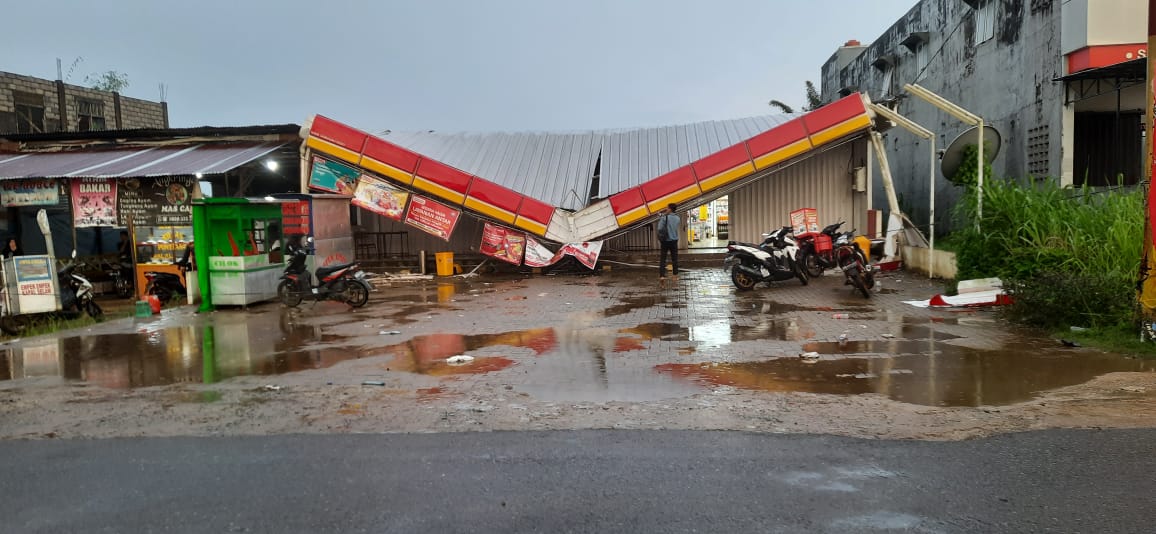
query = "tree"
x=783 y=107
x=112 y=81
x=814 y=101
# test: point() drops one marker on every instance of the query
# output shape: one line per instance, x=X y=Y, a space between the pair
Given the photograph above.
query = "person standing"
x=12 y=249
x=668 y=233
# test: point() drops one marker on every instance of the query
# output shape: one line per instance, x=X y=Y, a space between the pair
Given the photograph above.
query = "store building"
x=1062 y=82
x=739 y=178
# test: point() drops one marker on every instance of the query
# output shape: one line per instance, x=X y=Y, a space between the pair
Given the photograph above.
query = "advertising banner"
x=379 y=197
x=30 y=192
x=503 y=243
x=93 y=202
x=537 y=255
x=162 y=201
x=432 y=217
x=295 y=217
x=586 y=252
x=332 y=177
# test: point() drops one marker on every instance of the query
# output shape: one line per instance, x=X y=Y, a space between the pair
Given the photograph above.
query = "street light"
x=968 y=118
x=924 y=133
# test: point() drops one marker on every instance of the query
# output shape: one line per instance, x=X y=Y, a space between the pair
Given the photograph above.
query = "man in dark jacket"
x=668 y=233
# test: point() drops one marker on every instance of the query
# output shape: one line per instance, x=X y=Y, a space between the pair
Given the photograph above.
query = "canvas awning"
x=180 y=160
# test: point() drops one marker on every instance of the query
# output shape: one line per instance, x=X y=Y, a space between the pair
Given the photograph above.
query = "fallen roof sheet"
x=204 y=158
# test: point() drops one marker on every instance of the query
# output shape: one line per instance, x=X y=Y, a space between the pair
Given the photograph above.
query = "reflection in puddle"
x=927 y=373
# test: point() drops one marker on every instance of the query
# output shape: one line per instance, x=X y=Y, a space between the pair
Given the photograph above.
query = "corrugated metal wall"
x=823 y=182
x=466 y=237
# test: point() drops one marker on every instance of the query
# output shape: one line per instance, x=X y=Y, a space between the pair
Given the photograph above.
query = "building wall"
x=134 y=113
x=1102 y=22
x=1007 y=80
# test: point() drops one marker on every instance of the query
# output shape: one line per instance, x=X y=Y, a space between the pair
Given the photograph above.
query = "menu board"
x=162 y=201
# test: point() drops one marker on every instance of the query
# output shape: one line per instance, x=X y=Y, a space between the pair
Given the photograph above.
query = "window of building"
x=90 y=115
x=984 y=20
x=888 y=79
x=29 y=112
x=921 y=56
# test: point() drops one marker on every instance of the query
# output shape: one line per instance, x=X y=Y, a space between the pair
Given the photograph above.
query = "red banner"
x=379 y=197
x=431 y=217
x=93 y=202
x=503 y=243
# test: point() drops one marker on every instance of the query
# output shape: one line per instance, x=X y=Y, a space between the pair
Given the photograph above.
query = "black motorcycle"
x=774 y=260
x=344 y=282
x=168 y=285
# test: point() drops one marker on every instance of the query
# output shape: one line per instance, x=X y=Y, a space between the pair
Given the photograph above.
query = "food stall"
x=326 y=218
x=235 y=237
x=158 y=214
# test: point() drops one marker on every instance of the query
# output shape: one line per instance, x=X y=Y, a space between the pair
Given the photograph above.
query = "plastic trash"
x=271 y=387
x=459 y=359
x=809 y=355
x=840 y=316
x=373 y=383
x=388 y=333
x=1079 y=329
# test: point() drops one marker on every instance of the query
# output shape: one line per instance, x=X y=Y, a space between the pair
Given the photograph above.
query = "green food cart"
x=237 y=236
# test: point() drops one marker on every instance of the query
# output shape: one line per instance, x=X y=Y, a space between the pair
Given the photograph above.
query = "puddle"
x=926 y=373
x=187 y=354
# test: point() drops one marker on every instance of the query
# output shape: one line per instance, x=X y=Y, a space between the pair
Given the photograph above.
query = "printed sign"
x=379 y=197
x=503 y=244
x=804 y=220
x=537 y=255
x=432 y=217
x=295 y=216
x=162 y=201
x=33 y=275
x=31 y=192
x=586 y=253
x=93 y=202
x=332 y=177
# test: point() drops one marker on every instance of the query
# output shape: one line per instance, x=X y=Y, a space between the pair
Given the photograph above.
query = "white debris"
x=460 y=359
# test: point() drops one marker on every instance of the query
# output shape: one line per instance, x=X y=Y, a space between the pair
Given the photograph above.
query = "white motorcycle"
x=774 y=260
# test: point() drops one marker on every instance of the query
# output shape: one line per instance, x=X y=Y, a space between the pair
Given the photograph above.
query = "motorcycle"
x=816 y=251
x=121 y=273
x=168 y=285
x=343 y=282
x=77 y=292
x=775 y=259
x=853 y=262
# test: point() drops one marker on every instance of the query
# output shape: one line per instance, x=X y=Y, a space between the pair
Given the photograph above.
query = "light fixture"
x=271 y=164
x=269 y=199
x=199 y=175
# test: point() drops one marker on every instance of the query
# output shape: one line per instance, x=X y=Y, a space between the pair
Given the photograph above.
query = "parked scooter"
x=168 y=285
x=817 y=251
x=76 y=292
x=775 y=259
x=343 y=282
x=853 y=262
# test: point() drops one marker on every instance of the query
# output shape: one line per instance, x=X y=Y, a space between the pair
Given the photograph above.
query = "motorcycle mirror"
x=309 y=239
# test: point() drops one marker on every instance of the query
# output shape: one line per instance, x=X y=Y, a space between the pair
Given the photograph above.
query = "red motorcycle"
x=817 y=251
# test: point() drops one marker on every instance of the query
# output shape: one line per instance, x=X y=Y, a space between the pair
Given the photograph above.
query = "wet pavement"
x=607 y=336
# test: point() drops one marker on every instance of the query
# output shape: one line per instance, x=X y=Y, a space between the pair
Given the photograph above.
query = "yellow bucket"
x=445 y=263
x=864 y=245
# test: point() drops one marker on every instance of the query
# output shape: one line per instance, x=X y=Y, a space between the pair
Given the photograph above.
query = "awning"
x=1129 y=70
x=204 y=158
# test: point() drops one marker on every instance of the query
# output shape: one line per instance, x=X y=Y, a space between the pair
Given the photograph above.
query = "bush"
x=1071 y=255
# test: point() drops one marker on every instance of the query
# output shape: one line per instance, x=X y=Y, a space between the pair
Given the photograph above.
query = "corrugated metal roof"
x=557 y=168
x=632 y=157
x=554 y=168
x=205 y=158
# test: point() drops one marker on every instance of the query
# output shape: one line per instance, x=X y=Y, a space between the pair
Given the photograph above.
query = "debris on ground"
x=459 y=359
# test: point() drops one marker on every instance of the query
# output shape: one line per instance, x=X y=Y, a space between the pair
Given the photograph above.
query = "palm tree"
x=814 y=101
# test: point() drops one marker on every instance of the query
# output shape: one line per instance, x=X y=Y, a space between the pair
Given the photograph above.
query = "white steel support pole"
x=979 y=180
x=931 y=232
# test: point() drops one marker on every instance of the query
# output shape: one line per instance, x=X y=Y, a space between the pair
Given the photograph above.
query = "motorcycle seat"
x=322 y=272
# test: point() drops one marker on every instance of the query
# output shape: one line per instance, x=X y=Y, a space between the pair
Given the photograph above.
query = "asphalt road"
x=581 y=481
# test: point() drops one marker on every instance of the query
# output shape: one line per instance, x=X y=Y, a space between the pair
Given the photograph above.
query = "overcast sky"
x=482 y=65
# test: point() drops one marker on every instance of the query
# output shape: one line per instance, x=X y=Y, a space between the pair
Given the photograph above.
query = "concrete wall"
x=134 y=113
x=1007 y=80
x=1103 y=22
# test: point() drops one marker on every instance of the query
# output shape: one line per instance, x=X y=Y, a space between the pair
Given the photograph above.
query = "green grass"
x=1123 y=339
x=48 y=324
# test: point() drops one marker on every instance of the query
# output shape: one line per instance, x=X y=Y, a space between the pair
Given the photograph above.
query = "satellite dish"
x=953 y=156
